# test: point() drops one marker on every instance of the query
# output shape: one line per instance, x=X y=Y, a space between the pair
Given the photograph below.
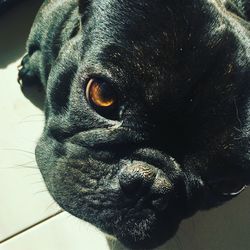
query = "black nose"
x=137 y=178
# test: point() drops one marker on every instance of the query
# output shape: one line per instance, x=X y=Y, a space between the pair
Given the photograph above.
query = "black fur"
x=181 y=72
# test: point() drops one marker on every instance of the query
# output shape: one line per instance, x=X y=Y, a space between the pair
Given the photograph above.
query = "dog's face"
x=147 y=116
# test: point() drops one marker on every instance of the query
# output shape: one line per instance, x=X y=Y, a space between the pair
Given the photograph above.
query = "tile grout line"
x=30 y=227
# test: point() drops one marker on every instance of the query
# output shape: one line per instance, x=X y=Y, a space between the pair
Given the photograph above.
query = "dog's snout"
x=136 y=178
x=140 y=180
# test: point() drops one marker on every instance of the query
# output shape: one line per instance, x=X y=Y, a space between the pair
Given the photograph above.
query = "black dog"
x=147 y=109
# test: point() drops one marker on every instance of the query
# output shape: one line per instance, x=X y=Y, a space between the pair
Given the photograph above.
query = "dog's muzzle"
x=140 y=179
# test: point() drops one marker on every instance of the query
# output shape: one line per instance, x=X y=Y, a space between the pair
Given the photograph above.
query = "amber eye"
x=100 y=93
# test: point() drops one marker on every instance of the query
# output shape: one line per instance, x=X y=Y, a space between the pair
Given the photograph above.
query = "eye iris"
x=100 y=93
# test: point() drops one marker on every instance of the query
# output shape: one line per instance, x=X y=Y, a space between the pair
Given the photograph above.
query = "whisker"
x=17 y=167
x=36 y=182
x=53 y=203
x=22 y=166
x=26 y=165
x=18 y=150
x=32 y=116
x=34 y=174
x=30 y=121
x=178 y=242
x=40 y=192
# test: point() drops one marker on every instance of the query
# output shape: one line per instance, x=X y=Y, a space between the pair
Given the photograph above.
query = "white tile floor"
x=30 y=220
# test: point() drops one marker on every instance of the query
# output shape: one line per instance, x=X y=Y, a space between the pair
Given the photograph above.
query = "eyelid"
x=88 y=87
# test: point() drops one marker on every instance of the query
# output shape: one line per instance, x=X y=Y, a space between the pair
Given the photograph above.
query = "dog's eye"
x=100 y=93
x=101 y=96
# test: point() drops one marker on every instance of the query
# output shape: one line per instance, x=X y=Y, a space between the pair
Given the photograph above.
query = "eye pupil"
x=100 y=93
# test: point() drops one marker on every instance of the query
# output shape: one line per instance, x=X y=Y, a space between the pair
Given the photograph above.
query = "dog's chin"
x=145 y=229
x=148 y=232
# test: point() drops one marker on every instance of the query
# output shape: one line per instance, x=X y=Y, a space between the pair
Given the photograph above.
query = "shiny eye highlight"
x=102 y=97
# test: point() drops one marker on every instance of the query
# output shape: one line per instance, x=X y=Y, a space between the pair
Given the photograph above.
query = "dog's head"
x=147 y=116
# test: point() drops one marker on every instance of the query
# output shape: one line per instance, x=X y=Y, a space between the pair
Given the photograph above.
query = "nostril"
x=137 y=178
x=130 y=183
